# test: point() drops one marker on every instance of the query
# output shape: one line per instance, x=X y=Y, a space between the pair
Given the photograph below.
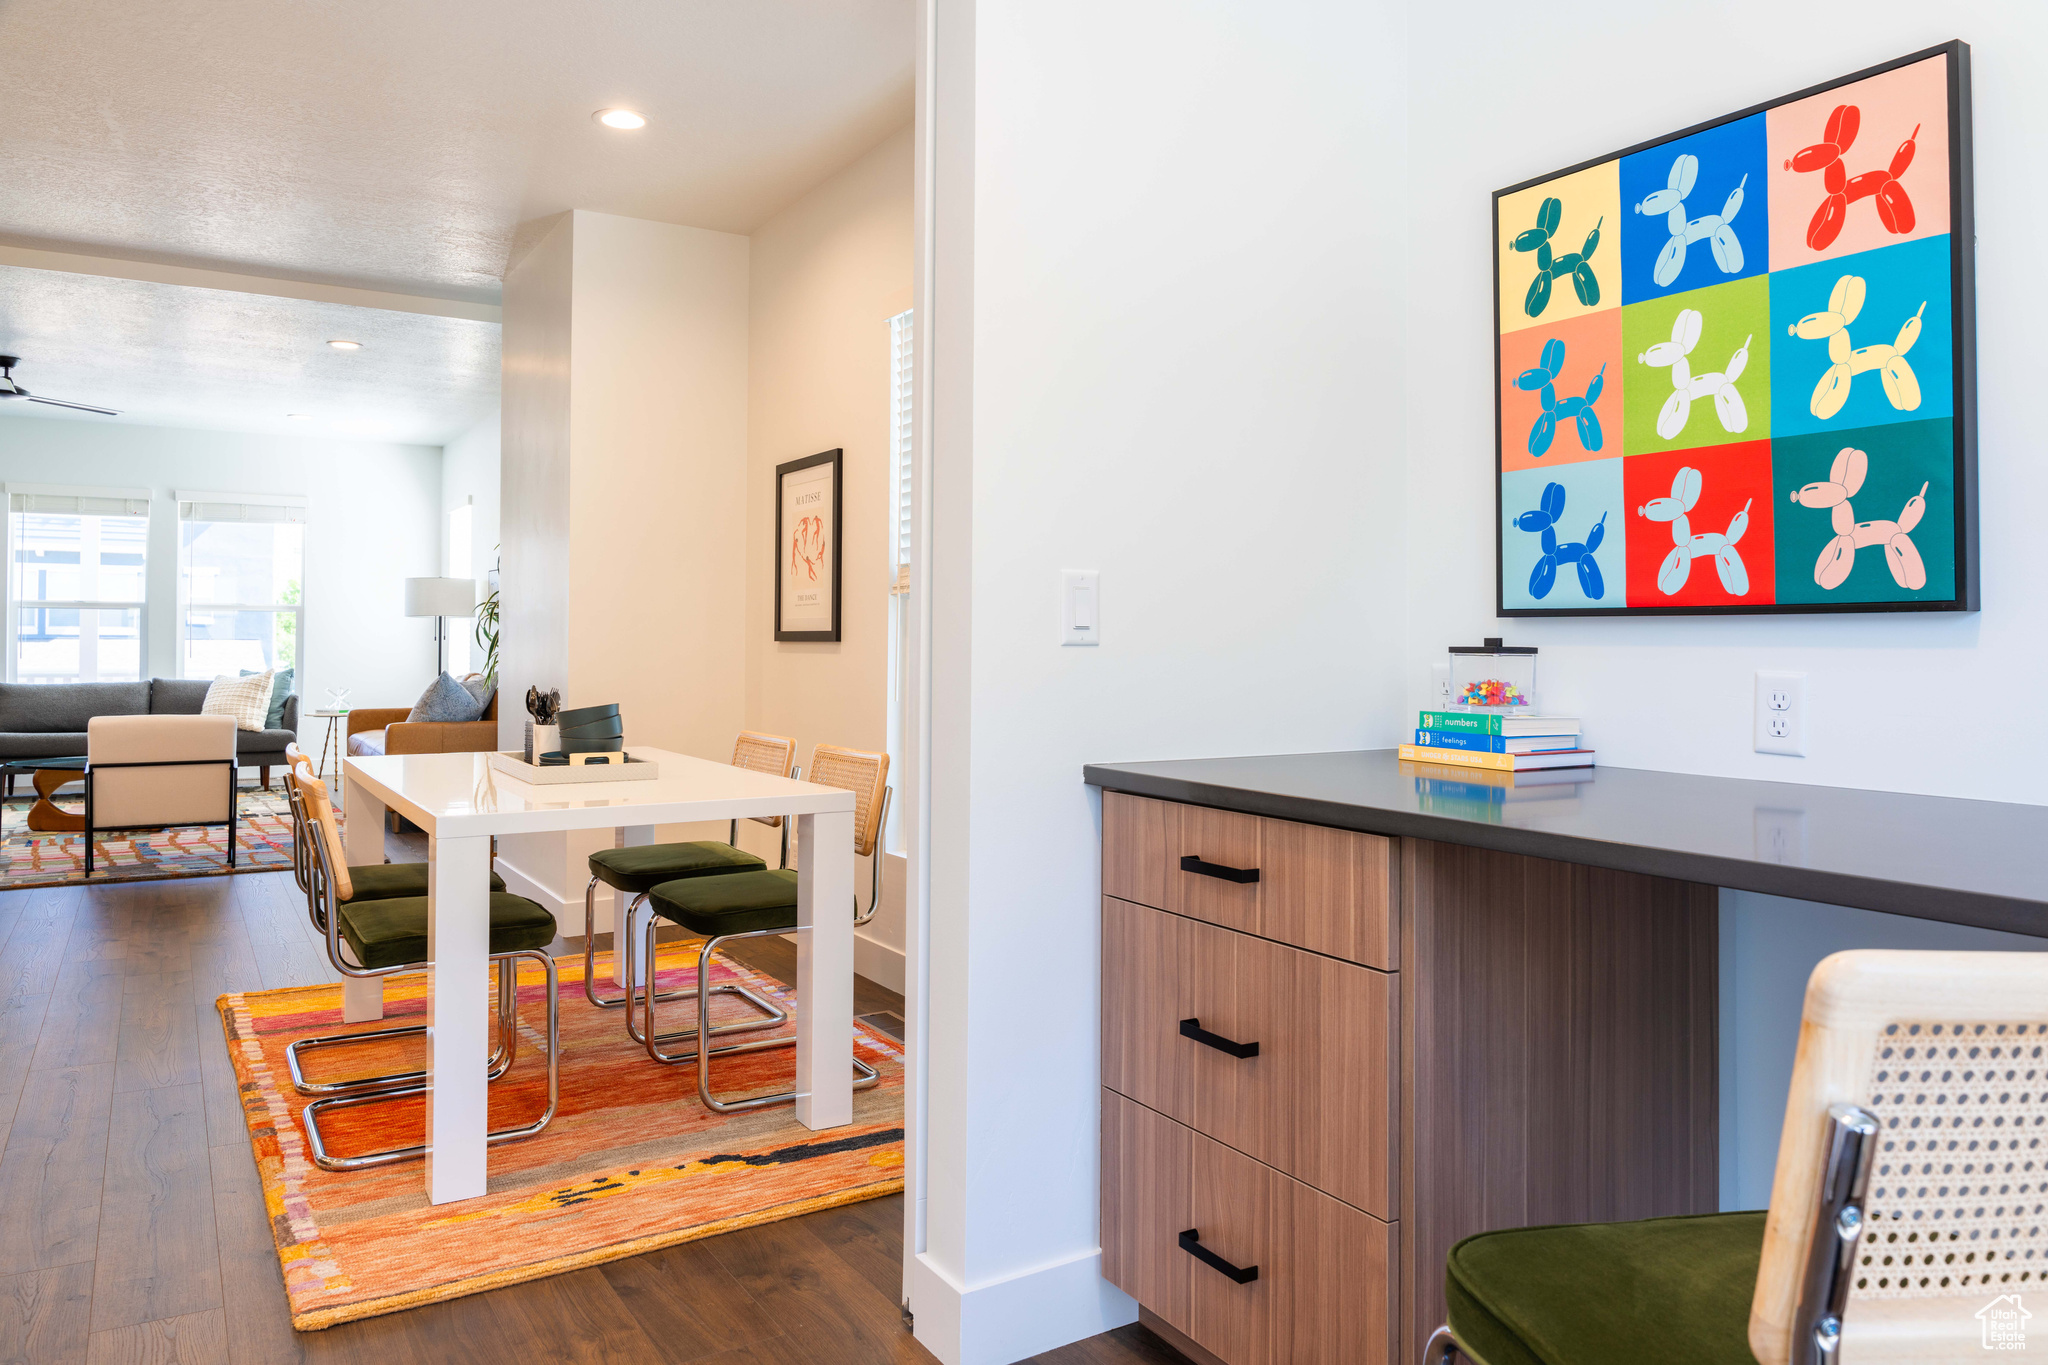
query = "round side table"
x=333 y=741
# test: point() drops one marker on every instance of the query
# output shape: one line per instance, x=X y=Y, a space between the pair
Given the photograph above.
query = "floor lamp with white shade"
x=440 y=598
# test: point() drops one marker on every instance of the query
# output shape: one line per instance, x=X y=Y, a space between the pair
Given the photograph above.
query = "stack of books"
x=1497 y=741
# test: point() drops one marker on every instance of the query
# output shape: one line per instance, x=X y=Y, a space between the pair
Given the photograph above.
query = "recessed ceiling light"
x=624 y=119
x=346 y=345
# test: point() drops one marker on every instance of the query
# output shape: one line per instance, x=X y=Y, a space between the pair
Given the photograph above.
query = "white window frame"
x=12 y=639
x=180 y=498
x=902 y=451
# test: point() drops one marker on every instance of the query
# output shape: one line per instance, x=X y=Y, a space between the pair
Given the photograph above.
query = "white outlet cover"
x=1781 y=714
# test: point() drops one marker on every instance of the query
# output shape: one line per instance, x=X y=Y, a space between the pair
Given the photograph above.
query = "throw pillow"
x=446 y=700
x=280 y=688
x=246 y=699
x=483 y=689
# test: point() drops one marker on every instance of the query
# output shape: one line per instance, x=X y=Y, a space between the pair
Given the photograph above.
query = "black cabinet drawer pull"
x=1190 y=863
x=1191 y=1243
x=1192 y=1028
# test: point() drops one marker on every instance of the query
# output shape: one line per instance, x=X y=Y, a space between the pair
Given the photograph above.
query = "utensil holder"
x=541 y=739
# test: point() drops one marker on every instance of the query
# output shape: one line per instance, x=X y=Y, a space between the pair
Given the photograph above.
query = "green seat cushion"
x=1608 y=1293
x=634 y=870
x=393 y=933
x=386 y=881
x=737 y=903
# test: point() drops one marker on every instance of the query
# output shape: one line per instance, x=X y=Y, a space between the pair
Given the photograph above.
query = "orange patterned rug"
x=631 y=1162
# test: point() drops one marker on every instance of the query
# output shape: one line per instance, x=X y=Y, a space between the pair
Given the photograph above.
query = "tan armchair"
x=373 y=731
x=152 y=772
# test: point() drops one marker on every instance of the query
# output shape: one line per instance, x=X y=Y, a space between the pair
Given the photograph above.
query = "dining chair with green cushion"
x=750 y=904
x=378 y=937
x=634 y=871
x=371 y=881
x=1906 y=1216
x=367 y=882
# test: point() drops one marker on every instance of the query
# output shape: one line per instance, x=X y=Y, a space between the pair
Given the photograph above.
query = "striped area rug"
x=631 y=1162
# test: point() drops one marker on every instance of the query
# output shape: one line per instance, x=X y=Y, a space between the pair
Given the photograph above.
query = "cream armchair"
x=152 y=771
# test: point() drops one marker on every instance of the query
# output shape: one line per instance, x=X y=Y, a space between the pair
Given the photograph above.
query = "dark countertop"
x=1982 y=863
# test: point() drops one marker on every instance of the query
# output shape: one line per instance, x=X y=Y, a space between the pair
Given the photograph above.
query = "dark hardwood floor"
x=132 y=1226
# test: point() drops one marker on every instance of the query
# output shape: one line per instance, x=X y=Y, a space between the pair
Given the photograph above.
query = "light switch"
x=1081 y=608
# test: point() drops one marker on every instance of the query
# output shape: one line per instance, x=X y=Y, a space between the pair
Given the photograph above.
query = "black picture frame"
x=791 y=556
x=1963 y=320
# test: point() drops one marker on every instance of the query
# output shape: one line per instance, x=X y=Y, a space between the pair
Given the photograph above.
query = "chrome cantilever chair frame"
x=502 y=1056
x=324 y=882
x=865 y=1076
x=626 y=916
x=651 y=1040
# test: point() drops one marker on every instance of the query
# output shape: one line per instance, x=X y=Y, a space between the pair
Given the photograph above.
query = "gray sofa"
x=47 y=720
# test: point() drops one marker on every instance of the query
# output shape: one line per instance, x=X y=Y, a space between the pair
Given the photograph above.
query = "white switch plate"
x=1781 y=714
x=1080 y=607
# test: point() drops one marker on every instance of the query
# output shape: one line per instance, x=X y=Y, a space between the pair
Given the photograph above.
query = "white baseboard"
x=568 y=917
x=878 y=962
x=1010 y=1319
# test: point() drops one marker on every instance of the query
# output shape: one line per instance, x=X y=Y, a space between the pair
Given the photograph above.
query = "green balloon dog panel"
x=1713 y=350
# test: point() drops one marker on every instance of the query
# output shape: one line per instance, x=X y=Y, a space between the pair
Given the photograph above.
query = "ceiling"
x=172 y=355
x=409 y=146
x=400 y=144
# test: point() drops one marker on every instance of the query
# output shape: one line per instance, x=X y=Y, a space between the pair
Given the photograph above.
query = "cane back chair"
x=752 y=904
x=1908 y=1217
x=383 y=936
x=638 y=870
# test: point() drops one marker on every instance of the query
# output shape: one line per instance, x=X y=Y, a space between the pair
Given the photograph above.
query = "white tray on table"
x=514 y=765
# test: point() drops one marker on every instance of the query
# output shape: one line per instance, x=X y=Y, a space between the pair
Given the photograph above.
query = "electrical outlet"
x=1781 y=714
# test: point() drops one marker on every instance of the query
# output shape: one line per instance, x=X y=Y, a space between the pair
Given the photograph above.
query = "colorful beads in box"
x=1492 y=692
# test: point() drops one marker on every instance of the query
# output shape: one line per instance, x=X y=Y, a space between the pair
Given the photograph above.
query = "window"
x=241 y=567
x=77 y=566
x=902 y=332
x=461 y=564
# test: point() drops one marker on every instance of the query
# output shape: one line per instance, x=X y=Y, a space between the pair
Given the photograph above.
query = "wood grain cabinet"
x=1327 y=890
x=1332 y=1053
x=1291 y=1276
x=1286 y=1055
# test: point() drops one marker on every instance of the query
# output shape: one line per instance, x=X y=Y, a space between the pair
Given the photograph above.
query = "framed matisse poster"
x=1735 y=367
x=807 y=502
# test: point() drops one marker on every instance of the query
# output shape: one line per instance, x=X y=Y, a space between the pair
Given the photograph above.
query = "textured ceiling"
x=165 y=354
x=401 y=144
x=412 y=146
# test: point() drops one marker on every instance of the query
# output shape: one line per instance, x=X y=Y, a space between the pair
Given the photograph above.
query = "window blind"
x=901 y=429
x=286 y=513
x=65 y=504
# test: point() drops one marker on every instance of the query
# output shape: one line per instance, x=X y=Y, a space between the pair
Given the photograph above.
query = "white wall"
x=372 y=522
x=625 y=417
x=469 y=474
x=827 y=273
x=1178 y=241
x=1885 y=693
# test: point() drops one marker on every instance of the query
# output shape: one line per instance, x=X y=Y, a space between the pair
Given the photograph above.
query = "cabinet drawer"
x=1317 y=1101
x=1323 y=1293
x=1327 y=890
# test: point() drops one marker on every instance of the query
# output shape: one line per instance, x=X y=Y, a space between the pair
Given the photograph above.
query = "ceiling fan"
x=11 y=389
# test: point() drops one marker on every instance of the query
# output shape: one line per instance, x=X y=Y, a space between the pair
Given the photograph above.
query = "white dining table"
x=461 y=801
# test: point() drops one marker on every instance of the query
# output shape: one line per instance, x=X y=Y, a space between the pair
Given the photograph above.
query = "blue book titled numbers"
x=1493 y=744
